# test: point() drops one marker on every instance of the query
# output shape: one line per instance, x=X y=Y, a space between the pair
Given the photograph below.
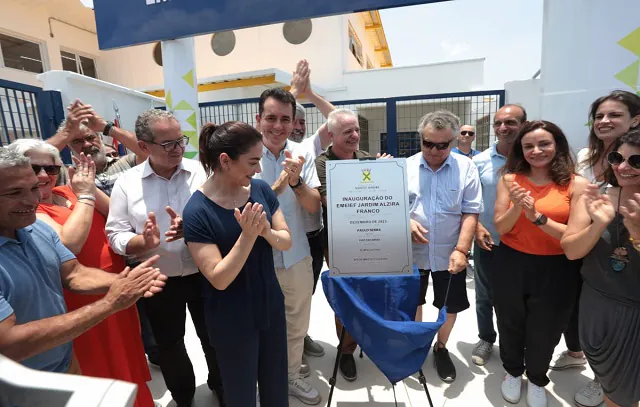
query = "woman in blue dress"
x=231 y=226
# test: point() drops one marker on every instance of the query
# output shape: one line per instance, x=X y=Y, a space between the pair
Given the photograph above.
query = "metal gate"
x=28 y=112
x=386 y=124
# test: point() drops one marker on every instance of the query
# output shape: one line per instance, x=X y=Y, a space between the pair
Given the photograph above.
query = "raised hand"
x=418 y=232
x=599 y=206
x=151 y=232
x=300 y=79
x=517 y=194
x=293 y=167
x=631 y=213
x=76 y=114
x=83 y=176
x=130 y=285
x=251 y=219
x=383 y=156
x=176 y=230
x=281 y=183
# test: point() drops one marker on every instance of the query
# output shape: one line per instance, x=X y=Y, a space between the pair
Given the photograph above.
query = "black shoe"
x=444 y=365
x=184 y=404
x=348 y=367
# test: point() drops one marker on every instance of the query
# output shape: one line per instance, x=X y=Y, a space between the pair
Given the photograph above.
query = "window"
x=21 y=54
x=78 y=64
x=355 y=46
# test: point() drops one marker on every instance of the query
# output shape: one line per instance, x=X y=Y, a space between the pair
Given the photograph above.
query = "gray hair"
x=438 y=120
x=300 y=111
x=332 y=119
x=11 y=159
x=147 y=119
x=24 y=146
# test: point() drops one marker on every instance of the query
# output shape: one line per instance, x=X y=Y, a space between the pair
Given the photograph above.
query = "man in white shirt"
x=291 y=172
x=145 y=204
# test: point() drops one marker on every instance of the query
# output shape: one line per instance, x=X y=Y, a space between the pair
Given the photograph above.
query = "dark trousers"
x=484 y=263
x=261 y=356
x=571 y=336
x=167 y=315
x=148 y=340
x=533 y=297
x=317 y=254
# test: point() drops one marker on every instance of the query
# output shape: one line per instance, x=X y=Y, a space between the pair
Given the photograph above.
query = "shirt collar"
x=494 y=151
x=287 y=146
x=147 y=170
x=447 y=162
x=21 y=234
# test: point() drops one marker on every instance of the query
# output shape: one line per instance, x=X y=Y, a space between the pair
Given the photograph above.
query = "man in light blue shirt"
x=35 y=327
x=507 y=123
x=445 y=198
x=291 y=172
x=465 y=138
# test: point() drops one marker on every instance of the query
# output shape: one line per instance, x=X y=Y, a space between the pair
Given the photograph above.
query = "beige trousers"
x=296 y=283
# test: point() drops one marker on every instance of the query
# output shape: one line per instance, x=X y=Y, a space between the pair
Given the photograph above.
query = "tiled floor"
x=474 y=386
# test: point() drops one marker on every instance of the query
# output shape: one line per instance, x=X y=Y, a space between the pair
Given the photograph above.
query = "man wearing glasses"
x=144 y=220
x=465 y=139
x=81 y=131
x=445 y=199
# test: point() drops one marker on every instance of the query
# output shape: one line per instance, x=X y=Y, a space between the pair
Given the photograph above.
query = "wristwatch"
x=541 y=220
x=298 y=184
x=107 y=128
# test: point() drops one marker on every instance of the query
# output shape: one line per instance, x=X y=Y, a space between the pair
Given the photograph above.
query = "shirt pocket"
x=449 y=199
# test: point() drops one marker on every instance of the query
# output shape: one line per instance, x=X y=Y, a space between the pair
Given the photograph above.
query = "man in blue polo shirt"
x=35 y=328
x=507 y=123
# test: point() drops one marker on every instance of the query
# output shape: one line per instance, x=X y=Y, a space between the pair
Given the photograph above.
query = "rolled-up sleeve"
x=119 y=229
x=309 y=172
x=472 y=197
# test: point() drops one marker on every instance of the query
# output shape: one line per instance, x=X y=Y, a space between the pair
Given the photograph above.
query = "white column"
x=181 y=88
x=589 y=48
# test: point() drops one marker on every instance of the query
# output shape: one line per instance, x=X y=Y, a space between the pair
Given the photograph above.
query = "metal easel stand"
x=332 y=380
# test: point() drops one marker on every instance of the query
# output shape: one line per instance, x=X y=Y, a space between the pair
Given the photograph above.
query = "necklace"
x=620 y=256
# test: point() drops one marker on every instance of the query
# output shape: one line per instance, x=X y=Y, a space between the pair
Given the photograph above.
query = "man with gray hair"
x=344 y=132
x=146 y=204
x=445 y=198
x=35 y=327
x=81 y=131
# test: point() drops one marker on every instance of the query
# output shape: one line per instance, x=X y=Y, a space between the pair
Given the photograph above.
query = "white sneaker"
x=566 y=361
x=536 y=396
x=304 y=392
x=590 y=395
x=511 y=388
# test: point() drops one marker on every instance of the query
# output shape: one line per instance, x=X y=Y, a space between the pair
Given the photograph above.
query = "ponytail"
x=206 y=133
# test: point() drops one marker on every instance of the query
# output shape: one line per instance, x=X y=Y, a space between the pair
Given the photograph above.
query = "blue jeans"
x=483 y=262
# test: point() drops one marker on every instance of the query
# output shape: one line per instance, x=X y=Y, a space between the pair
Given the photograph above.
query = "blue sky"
x=508 y=33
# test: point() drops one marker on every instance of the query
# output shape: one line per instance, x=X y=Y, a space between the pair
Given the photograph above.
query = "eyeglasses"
x=49 y=169
x=170 y=146
x=439 y=146
x=465 y=132
x=615 y=158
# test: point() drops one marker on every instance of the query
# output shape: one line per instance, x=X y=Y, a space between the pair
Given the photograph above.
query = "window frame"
x=352 y=35
x=78 y=54
x=41 y=47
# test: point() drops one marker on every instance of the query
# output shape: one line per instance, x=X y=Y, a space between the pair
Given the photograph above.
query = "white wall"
x=525 y=93
x=29 y=20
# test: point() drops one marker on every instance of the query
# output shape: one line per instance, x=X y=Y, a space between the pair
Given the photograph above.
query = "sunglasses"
x=439 y=146
x=615 y=158
x=49 y=169
x=169 y=146
x=470 y=133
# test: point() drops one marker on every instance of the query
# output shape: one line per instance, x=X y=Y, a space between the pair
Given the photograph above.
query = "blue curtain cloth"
x=379 y=313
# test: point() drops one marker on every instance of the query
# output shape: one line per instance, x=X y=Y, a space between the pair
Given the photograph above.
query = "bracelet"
x=87 y=203
x=87 y=197
x=466 y=254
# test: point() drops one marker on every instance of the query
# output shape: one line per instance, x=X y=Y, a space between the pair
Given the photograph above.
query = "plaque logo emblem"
x=366 y=176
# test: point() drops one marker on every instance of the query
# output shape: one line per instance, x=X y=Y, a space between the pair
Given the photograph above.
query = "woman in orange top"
x=113 y=348
x=535 y=285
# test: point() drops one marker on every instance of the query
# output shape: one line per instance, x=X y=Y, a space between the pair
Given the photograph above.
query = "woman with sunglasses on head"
x=534 y=284
x=77 y=212
x=610 y=116
x=604 y=228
